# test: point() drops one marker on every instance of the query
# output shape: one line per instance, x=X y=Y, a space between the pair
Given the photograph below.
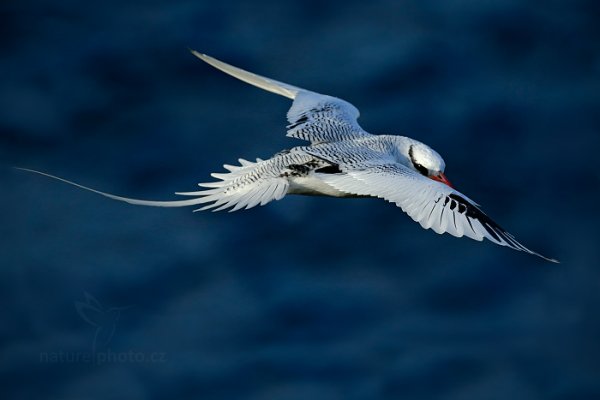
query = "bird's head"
x=427 y=162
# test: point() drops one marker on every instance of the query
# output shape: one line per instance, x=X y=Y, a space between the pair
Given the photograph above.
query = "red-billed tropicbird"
x=342 y=160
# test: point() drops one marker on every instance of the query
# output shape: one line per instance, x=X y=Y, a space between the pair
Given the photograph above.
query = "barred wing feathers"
x=313 y=117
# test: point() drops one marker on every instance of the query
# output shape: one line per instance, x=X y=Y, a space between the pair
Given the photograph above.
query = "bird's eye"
x=421 y=169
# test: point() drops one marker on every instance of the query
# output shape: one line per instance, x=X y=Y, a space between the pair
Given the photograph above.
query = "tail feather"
x=140 y=202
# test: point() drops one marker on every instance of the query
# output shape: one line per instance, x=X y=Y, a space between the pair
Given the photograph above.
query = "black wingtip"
x=497 y=234
x=552 y=260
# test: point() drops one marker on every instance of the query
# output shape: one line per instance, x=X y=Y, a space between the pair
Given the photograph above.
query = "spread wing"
x=244 y=186
x=313 y=117
x=432 y=204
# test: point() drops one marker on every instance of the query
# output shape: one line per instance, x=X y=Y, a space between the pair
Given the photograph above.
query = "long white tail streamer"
x=151 y=203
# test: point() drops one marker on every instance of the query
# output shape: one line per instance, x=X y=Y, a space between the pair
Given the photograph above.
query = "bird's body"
x=342 y=160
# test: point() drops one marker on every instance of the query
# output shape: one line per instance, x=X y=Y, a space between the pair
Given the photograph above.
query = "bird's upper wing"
x=313 y=117
x=432 y=204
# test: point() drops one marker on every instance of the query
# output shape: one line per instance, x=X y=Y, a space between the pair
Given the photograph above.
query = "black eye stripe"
x=410 y=154
x=422 y=170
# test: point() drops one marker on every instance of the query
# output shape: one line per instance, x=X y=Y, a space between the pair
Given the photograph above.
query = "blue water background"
x=306 y=298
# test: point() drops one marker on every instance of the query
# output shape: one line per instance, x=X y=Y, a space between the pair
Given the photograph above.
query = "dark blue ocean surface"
x=306 y=298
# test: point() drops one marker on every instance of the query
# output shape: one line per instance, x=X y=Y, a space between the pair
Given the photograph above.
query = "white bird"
x=342 y=160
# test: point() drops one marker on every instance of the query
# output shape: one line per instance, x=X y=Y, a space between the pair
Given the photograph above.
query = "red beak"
x=441 y=178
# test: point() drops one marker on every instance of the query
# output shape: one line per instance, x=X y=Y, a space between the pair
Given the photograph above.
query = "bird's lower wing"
x=432 y=204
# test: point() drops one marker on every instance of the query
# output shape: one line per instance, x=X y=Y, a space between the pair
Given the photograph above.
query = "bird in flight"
x=342 y=160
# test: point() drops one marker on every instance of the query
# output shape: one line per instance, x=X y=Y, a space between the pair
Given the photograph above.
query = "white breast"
x=312 y=185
